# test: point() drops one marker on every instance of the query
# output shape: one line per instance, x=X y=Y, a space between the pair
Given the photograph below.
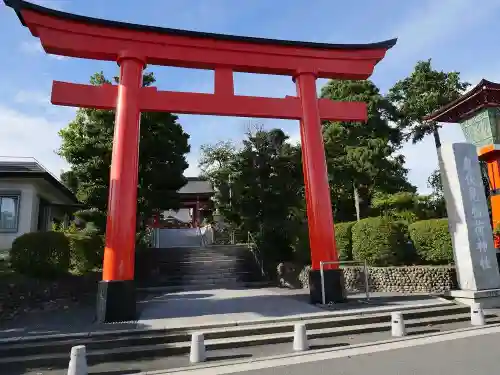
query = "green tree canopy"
x=361 y=156
x=423 y=92
x=87 y=145
x=260 y=189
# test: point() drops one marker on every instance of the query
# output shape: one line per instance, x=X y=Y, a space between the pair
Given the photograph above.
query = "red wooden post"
x=119 y=253
x=319 y=207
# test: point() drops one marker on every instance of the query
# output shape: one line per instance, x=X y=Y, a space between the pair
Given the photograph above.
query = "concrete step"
x=109 y=347
x=219 y=248
x=198 y=282
x=204 y=277
x=200 y=287
x=221 y=274
x=205 y=269
x=172 y=287
x=204 y=250
x=200 y=260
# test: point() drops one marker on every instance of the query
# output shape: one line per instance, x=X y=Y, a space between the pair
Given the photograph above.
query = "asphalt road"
x=473 y=355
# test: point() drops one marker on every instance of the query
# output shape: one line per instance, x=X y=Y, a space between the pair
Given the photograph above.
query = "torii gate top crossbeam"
x=73 y=35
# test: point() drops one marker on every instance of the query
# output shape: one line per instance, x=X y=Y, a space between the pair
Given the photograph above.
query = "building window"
x=9 y=211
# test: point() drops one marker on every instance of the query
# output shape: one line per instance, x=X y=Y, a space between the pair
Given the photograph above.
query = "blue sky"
x=457 y=34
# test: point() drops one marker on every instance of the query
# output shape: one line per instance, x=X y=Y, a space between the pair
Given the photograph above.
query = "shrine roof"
x=196 y=185
x=484 y=95
x=19 y=5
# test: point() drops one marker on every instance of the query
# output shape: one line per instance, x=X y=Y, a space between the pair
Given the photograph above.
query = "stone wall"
x=406 y=279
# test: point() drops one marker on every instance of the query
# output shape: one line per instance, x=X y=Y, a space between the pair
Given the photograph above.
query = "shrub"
x=432 y=241
x=87 y=250
x=379 y=241
x=92 y=216
x=41 y=254
x=343 y=237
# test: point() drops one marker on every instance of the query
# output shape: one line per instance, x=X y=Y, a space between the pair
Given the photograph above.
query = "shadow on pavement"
x=154 y=297
x=328 y=346
x=227 y=357
x=115 y=372
x=423 y=332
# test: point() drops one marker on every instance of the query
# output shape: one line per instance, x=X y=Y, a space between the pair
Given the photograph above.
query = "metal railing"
x=322 y=274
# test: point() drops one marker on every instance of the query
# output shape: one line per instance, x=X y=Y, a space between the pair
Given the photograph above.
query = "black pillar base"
x=116 y=301
x=334 y=286
x=498 y=259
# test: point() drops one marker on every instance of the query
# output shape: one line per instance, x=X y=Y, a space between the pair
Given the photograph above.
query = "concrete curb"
x=169 y=329
x=208 y=366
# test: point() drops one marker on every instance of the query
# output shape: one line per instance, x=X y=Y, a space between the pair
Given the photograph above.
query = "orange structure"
x=133 y=47
x=478 y=113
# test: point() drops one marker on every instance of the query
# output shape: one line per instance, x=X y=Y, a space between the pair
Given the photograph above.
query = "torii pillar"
x=132 y=47
x=478 y=113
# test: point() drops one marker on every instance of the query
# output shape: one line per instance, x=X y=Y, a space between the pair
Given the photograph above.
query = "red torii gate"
x=133 y=47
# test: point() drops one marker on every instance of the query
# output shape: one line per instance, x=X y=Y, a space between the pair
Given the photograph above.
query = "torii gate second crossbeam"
x=133 y=47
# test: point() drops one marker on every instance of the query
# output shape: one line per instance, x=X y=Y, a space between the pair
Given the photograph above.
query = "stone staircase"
x=197 y=268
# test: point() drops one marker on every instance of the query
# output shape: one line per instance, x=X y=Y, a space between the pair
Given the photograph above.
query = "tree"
x=70 y=180
x=423 y=92
x=265 y=186
x=436 y=197
x=406 y=206
x=434 y=182
x=216 y=166
x=87 y=145
x=360 y=156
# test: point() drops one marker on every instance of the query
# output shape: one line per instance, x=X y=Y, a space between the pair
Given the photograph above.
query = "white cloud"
x=192 y=170
x=31 y=47
x=23 y=135
x=34 y=46
x=433 y=22
x=32 y=97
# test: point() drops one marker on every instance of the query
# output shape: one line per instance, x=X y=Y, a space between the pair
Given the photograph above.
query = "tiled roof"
x=196 y=185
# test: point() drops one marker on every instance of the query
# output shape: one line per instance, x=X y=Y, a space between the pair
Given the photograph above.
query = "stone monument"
x=478 y=113
x=469 y=224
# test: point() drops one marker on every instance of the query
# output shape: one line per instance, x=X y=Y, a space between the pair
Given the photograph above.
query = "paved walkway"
x=473 y=355
x=228 y=306
x=222 y=306
x=197 y=308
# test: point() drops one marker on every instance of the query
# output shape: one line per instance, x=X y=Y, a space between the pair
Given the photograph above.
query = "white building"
x=31 y=199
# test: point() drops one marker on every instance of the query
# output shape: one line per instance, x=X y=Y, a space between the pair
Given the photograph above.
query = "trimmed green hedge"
x=343 y=238
x=380 y=241
x=432 y=241
x=87 y=251
x=42 y=255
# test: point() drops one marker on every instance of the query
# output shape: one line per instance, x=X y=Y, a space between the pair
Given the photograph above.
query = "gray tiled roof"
x=10 y=164
x=196 y=186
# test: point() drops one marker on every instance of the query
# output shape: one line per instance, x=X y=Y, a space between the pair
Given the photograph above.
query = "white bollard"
x=197 y=353
x=300 y=338
x=477 y=315
x=78 y=361
x=397 y=324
